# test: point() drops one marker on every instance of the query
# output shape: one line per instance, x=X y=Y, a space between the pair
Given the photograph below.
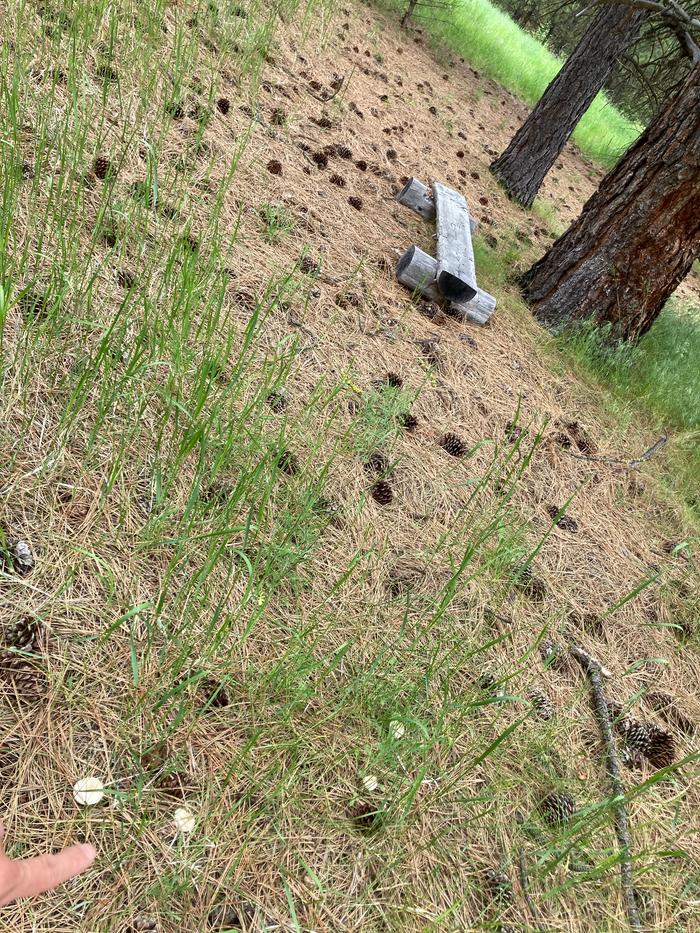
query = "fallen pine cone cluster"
x=378 y=463
x=541 y=703
x=21 y=670
x=565 y=522
x=557 y=807
x=382 y=492
x=453 y=445
x=647 y=739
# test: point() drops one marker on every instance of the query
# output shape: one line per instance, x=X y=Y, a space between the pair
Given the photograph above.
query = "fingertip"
x=89 y=851
x=46 y=872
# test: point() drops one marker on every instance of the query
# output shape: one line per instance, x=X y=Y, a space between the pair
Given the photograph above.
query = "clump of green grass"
x=658 y=375
x=547 y=213
x=497 y=263
x=660 y=372
x=378 y=421
x=489 y=39
x=278 y=222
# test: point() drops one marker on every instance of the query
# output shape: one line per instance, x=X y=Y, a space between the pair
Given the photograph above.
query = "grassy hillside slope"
x=262 y=588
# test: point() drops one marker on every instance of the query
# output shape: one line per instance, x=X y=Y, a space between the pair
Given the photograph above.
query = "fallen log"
x=416 y=195
x=479 y=309
x=417 y=271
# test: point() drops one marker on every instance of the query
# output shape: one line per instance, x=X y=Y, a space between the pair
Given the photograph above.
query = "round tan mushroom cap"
x=88 y=791
x=184 y=820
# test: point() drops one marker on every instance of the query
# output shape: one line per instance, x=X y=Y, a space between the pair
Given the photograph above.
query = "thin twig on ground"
x=525 y=885
x=322 y=98
x=629 y=464
x=593 y=669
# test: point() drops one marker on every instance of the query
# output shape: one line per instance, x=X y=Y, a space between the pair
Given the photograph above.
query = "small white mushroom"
x=397 y=729
x=22 y=557
x=184 y=820
x=88 y=791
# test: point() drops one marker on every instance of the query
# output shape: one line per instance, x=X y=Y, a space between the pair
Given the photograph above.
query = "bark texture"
x=536 y=146
x=637 y=236
x=409 y=12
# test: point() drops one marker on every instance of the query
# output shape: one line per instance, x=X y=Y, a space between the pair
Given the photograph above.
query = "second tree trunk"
x=539 y=141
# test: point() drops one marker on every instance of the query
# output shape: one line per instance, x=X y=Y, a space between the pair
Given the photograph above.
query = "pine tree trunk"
x=539 y=141
x=524 y=15
x=637 y=236
x=409 y=12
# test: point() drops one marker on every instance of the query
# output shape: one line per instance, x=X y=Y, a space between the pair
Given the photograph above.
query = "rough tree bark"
x=536 y=146
x=426 y=7
x=637 y=236
x=409 y=12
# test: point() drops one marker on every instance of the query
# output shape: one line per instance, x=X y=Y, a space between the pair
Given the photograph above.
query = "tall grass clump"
x=492 y=42
x=660 y=371
x=659 y=374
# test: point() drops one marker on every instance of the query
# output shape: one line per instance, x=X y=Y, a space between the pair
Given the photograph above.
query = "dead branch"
x=594 y=671
x=669 y=8
x=689 y=46
x=323 y=98
x=628 y=64
x=525 y=885
x=630 y=464
x=683 y=15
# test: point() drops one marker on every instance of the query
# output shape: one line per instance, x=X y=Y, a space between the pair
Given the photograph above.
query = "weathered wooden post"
x=456 y=275
x=452 y=275
x=416 y=195
x=417 y=271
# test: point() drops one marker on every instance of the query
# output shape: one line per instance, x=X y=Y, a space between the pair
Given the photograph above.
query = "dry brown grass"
x=315 y=671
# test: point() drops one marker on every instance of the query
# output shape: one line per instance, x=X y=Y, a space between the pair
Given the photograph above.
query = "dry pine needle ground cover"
x=305 y=554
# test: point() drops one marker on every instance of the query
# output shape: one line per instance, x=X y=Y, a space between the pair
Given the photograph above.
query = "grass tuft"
x=658 y=376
